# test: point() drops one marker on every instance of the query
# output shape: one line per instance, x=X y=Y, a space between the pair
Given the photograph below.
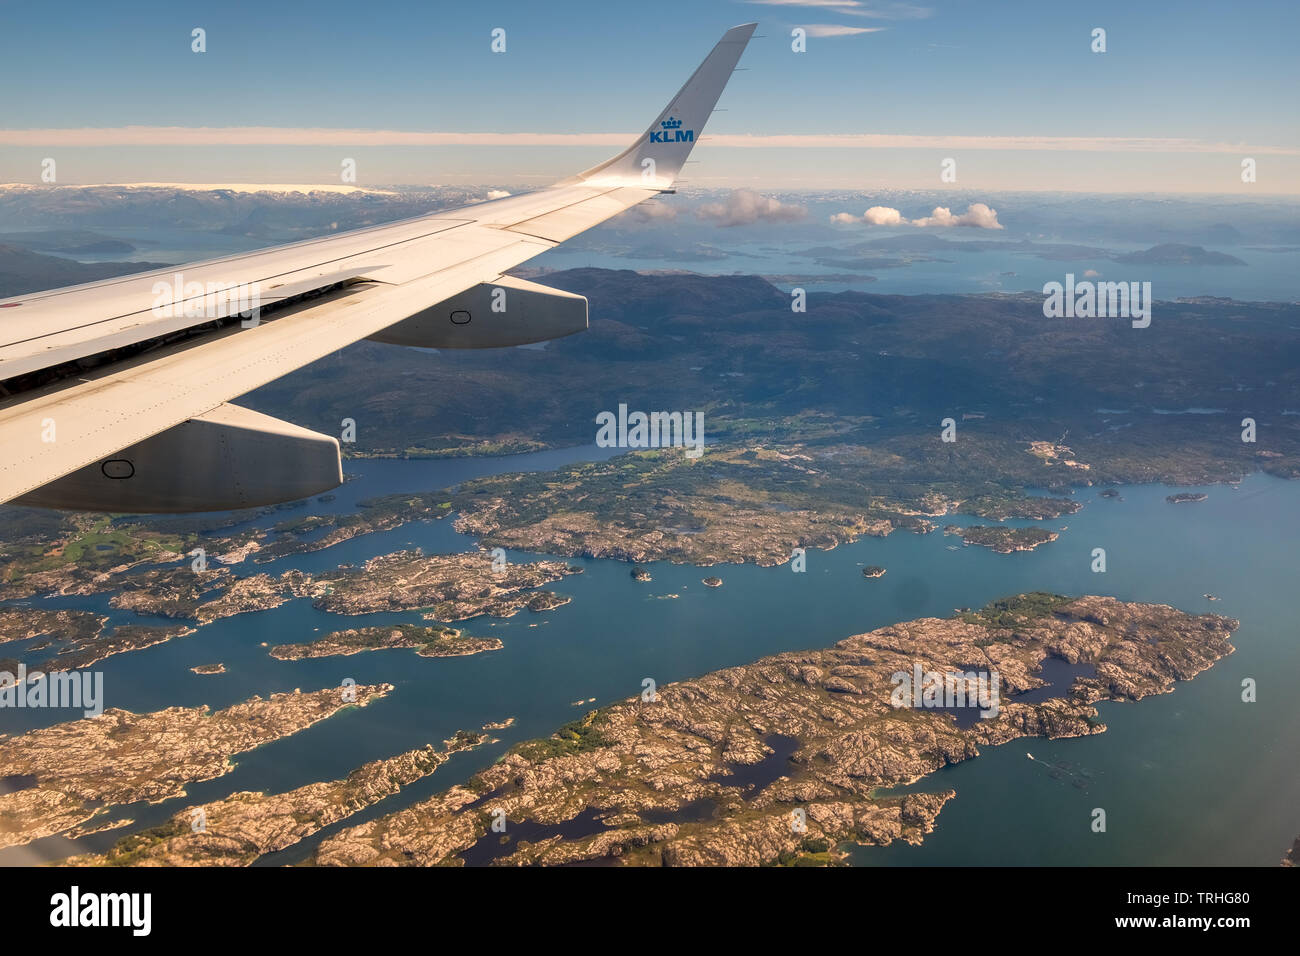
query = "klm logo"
x=672 y=132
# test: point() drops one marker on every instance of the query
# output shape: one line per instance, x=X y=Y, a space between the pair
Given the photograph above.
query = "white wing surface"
x=94 y=372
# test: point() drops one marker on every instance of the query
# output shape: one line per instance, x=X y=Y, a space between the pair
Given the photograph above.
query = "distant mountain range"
x=853 y=363
x=1172 y=253
x=925 y=245
x=276 y=216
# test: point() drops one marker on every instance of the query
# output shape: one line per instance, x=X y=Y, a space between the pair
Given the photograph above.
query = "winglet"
x=656 y=158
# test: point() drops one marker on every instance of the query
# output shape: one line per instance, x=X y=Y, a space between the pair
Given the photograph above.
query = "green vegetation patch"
x=575 y=737
x=1017 y=611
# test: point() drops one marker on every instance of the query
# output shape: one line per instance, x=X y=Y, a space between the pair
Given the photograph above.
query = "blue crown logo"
x=671 y=131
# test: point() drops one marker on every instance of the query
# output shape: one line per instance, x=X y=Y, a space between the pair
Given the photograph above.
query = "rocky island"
x=77 y=769
x=435 y=641
x=23 y=623
x=1184 y=497
x=85 y=651
x=781 y=761
x=1003 y=540
x=1002 y=507
x=81 y=635
x=750 y=504
x=452 y=587
x=873 y=571
x=237 y=830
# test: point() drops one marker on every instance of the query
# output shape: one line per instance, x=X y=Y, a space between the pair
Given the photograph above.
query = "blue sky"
x=1217 y=80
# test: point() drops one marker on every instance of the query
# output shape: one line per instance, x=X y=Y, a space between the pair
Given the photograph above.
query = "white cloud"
x=836 y=30
x=653 y=212
x=856 y=8
x=830 y=4
x=977 y=215
x=875 y=216
x=883 y=216
x=745 y=207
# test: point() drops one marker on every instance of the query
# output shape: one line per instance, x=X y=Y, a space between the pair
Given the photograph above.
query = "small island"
x=712 y=582
x=1185 y=496
x=209 y=669
x=873 y=571
x=1003 y=540
x=1002 y=507
x=90 y=828
x=435 y=641
x=547 y=601
x=641 y=574
x=88 y=651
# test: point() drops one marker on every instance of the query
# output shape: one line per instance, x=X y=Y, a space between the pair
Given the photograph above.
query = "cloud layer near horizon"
x=827 y=30
x=319 y=136
x=977 y=215
x=744 y=207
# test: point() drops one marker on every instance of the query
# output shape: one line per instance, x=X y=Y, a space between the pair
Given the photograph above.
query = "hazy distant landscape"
x=1042 y=236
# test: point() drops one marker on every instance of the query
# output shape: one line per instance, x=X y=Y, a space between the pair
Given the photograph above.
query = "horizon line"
x=391 y=188
x=324 y=136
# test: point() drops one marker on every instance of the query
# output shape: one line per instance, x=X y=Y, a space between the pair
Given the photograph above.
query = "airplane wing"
x=118 y=392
